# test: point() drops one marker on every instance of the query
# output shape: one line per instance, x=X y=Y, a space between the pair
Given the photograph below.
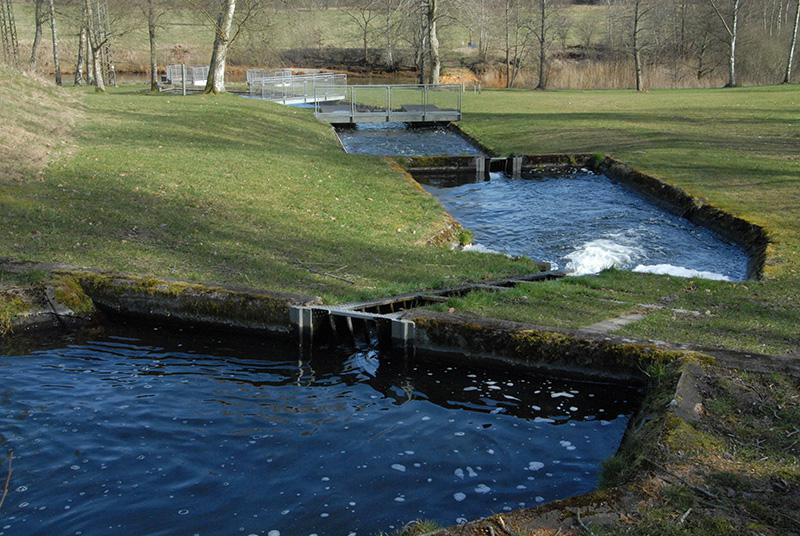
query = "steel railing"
x=400 y=102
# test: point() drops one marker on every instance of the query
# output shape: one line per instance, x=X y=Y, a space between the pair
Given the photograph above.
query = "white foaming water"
x=478 y=248
x=598 y=255
x=678 y=271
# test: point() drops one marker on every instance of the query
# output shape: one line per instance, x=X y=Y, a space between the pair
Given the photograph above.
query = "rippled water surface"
x=586 y=223
x=394 y=139
x=158 y=434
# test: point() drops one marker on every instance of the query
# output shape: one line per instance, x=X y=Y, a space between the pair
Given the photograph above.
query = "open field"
x=737 y=150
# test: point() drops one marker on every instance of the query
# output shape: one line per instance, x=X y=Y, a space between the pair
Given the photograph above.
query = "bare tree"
x=95 y=44
x=391 y=9
x=232 y=19
x=81 y=57
x=640 y=11
x=8 y=33
x=475 y=16
x=433 y=40
x=38 y=20
x=792 y=45
x=219 y=56
x=519 y=36
x=731 y=25
x=363 y=14
x=54 y=35
x=154 y=10
x=545 y=32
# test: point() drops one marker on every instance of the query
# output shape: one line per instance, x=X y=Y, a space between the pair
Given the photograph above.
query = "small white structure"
x=196 y=75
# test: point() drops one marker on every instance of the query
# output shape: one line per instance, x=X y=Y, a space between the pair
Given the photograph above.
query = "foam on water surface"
x=395 y=139
x=584 y=224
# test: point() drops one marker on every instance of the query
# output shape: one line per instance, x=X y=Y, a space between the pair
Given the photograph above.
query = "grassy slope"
x=38 y=119
x=233 y=191
x=737 y=149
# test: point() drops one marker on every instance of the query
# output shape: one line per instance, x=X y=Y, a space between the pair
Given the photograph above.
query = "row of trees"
x=527 y=34
x=516 y=35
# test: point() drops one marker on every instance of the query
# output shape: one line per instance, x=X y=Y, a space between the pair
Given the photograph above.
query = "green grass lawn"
x=588 y=300
x=233 y=191
x=736 y=149
x=244 y=192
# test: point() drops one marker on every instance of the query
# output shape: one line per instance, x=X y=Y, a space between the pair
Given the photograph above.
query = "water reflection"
x=153 y=433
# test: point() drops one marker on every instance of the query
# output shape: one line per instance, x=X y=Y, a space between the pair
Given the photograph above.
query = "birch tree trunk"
x=94 y=48
x=216 y=70
x=54 y=33
x=433 y=41
x=542 y=44
x=37 y=32
x=637 y=53
x=79 y=63
x=88 y=60
x=732 y=55
x=151 y=29
x=365 y=43
x=508 y=42
x=790 y=62
x=732 y=29
x=389 y=41
x=423 y=47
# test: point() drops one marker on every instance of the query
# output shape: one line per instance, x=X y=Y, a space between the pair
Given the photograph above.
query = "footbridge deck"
x=440 y=103
x=291 y=89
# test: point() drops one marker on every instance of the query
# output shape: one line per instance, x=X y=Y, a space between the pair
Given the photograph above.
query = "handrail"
x=388 y=102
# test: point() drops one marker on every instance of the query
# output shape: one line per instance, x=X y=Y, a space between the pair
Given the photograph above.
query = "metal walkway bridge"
x=287 y=88
x=339 y=104
x=439 y=103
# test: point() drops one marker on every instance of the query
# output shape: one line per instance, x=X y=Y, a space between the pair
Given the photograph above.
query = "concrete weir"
x=386 y=319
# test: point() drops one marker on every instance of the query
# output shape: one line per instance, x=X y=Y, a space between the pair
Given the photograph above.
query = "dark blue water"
x=585 y=223
x=160 y=434
x=394 y=139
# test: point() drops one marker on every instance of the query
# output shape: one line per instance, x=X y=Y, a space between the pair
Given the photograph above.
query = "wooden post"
x=516 y=167
x=480 y=168
x=388 y=103
x=425 y=103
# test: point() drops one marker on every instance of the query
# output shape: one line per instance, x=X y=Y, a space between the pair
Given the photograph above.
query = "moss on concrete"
x=187 y=302
x=69 y=292
x=543 y=347
x=11 y=306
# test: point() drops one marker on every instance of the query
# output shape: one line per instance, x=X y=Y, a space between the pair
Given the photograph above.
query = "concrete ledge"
x=548 y=349
x=214 y=306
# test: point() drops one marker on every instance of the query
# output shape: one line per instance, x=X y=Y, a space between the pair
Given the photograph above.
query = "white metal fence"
x=254 y=76
x=390 y=103
x=300 y=89
x=196 y=75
